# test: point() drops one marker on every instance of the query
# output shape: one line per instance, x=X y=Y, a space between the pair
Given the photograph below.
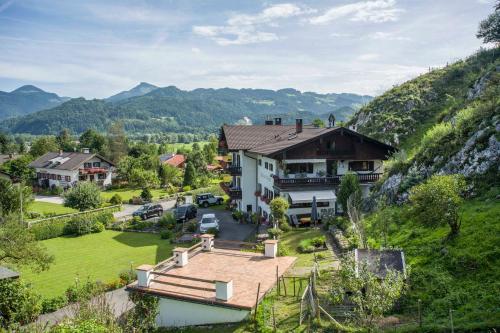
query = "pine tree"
x=189 y=175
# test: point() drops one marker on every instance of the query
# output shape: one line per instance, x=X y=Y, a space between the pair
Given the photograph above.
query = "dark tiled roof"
x=74 y=160
x=379 y=261
x=247 y=137
x=6 y=273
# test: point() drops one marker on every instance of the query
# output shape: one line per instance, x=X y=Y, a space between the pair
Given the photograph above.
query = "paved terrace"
x=196 y=281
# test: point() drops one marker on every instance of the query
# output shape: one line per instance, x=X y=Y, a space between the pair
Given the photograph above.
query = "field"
x=99 y=256
x=45 y=208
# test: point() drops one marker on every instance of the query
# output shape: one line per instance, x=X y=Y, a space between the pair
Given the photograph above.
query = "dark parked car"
x=208 y=199
x=185 y=212
x=148 y=211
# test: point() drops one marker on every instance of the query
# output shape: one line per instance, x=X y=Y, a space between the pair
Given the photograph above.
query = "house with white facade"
x=297 y=162
x=65 y=169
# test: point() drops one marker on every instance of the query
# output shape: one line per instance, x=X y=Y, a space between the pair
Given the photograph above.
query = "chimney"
x=271 y=248
x=331 y=120
x=181 y=256
x=207 y=242
x=277 y=121
x=223 y=289
x=143 y=275
x=86 y=150
x=298 y=125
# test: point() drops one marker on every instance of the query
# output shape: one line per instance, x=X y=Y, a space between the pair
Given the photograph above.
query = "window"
x=266 y=165
x=59 y=177
x=260 y=162
x=101 y=176
x=67 y=178
x=361 y=166
x=271 y=167
x=96 y=164
x=309 y=204
x=300 y=167
x=87 y=165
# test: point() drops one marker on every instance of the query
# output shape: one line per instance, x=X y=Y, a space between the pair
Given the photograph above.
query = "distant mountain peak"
x=26 y=89
x=144 y=85
x=142 y=88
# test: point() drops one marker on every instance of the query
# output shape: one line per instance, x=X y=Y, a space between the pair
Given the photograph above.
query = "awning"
x=307 y=196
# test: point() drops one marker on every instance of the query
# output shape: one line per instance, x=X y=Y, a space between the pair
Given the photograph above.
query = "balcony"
x=93 y=170
x=234 y=170
x=321 y=181
x=235 y=193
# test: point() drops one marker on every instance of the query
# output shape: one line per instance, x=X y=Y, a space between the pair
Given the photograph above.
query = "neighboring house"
x=175 y=160
x=297 y=163
x=6 y=273
x=379 y=262
x=206 y=285
x=65 y=169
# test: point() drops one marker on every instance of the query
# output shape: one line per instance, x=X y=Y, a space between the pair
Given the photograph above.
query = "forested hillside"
x=445 y=122
x=26 y=100
x=173 y=110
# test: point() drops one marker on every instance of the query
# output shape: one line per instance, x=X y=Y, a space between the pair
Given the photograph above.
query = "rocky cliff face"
x=449 y=123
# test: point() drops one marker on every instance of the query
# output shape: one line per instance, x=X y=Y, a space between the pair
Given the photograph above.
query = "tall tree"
x=43 y=145
x=489 y=28
x=349 y=185
x=65 y=140
x=189 y=175
x=117 y=141
x=13 y=197
x=93 y=140
x=169 y=175
x=19 y=247
x=19 y=168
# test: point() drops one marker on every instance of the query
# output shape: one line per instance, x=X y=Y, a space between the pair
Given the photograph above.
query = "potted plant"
x=257 y=193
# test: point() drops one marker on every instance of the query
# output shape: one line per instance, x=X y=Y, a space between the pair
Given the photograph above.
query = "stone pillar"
x=207 y=242
x=144 y=275
x=181 y=256
x=271 y=248
x=224 y=289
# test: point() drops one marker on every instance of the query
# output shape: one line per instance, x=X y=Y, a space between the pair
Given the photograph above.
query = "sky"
x=97 y=48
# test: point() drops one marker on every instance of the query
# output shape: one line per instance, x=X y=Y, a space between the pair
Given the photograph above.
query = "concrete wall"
x=175 y=313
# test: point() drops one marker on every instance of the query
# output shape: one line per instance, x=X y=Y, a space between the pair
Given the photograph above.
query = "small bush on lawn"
x=141 y=225
x=53 y=304
x=283 y=250
x=146 y=195
x=106 y=218
x=97 y=227
x=82 y=225
x=116 y=199
x=319 y=241
x=167 y=220
x=192 y=226
x=274 y=232
x=166 y=234
x=311 y=244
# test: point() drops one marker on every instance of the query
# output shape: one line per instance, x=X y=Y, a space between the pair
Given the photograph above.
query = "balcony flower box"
x=257 y=193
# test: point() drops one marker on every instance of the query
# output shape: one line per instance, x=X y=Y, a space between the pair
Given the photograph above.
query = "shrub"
x=53 y=304
x=167 y=220
x=435 y=134
x=97 y=227
x=305 y=246
x=285 y=227
x=56 y=190
x=279 y=206
x=186 y=188
x=437 y=201
x=79 y=225
x=192 y=226
x=116 y=199
x=283 y=250
x=128 y=276
x=349 y=185
x=166 y=234
x=213 y=231
x=136 y=201
x=146 y=195
x=48 y=229
x=83 y=291
x=106 y=218
x=274 y=233
x=18 y=303
x=84 y=196
x=319 y=241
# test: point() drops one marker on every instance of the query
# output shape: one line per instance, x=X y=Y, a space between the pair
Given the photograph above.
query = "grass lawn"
x=99 y=256
x=49 y=208
x=127 y=193
x=292 y=240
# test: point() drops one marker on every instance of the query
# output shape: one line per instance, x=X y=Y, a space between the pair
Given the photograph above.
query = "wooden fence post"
x=277 y=281
x=284 y=283
x=294 y=286
x=256 y=302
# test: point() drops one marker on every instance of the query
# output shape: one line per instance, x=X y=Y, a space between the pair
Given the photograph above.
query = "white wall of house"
x=73 y=174
x=248 y=181
x=176 y=313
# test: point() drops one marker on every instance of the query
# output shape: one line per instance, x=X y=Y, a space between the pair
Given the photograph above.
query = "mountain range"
x=149 y=109
x=27 y=99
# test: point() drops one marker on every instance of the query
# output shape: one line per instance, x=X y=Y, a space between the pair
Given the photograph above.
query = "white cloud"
x=379 y=35
x=246 y=29
x=195 y=50
x=376 y=11
x=368 y=56
x=339 y=34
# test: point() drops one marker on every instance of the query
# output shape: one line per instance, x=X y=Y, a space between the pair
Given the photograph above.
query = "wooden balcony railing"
x=312 y=181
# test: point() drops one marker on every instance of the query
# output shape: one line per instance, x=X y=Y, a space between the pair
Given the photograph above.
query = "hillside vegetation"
x=444 y=122
x=173 y=110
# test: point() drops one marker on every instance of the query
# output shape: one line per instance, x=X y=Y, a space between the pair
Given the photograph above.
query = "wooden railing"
x=333 y=180
x=234 y=170
x=235 y=193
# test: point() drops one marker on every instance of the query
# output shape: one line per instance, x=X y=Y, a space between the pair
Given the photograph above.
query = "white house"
x=206 y=285
x=298 y=163
x=65 y=169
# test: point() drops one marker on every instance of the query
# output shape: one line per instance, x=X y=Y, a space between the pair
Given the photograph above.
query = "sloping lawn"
x=45 y=208
x=99 y=256
x=127 y=193
x=292 y=239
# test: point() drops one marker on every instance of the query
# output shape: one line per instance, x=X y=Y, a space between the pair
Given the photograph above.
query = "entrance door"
x=331 y=167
